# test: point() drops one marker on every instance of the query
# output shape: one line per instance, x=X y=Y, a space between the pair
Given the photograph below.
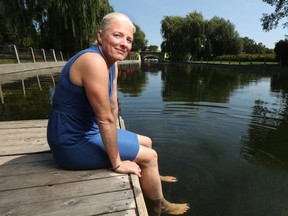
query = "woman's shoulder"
x=93 y=48
x=91 y=59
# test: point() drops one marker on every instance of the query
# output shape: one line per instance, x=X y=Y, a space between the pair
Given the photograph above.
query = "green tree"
x=71 y=25
x=194 y=37
x=3 y=26
x=171 y=30
x=19 y=24
x=251 y=47
x=223 y=37
x=281 y=51
x=194 y=27
x=153 y=48
x=66 y=25
x=139 y=41
x=270 y=21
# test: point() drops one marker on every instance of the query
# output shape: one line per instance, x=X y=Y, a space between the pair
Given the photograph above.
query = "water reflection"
x=27 y=95
x=202 y=84
x=266 y=142
x=131 y=80
x=221 y=131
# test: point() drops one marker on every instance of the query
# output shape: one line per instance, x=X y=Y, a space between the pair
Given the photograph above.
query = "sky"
x=245 y=15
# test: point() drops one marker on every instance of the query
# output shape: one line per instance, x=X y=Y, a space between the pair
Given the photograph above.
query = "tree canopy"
x=251 y=47
x=194 y=37
x=139 y=41
x=281 y=50
x=67 y=25
x=271 y=21
x=72 y=24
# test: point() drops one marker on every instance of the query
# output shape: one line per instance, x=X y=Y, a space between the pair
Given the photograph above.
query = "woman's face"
x=116 y=41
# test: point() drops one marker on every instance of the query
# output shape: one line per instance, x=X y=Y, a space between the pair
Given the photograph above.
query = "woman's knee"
x=147 y=157
x=153 y=155
x=145 y=141
x=148 y=142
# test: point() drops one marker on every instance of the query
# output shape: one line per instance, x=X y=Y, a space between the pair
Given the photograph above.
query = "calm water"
x=222 y=132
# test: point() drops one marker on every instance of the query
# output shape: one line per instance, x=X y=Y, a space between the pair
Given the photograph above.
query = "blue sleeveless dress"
x=73 y=133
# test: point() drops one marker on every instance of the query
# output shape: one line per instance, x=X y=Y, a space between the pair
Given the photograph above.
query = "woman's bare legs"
x=147 y=159
x=147 y=142
x=170 y=179
x=150 y=181
x=144 y=141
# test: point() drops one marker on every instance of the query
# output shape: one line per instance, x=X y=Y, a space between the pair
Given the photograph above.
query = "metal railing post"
x=16 y=54
x=61 y=56
x=44 y=55
x=54 y=56
x=32 y=54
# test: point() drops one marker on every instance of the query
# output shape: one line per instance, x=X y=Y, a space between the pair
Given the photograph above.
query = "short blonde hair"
x=106 y=21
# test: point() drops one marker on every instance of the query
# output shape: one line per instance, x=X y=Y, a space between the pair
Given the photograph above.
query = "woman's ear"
x=99 y=37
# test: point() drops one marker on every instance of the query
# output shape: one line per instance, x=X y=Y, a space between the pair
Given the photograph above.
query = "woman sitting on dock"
x=82 y=131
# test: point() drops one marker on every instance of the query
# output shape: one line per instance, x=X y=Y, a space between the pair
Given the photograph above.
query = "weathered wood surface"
x=32 y=184
x=20 y=68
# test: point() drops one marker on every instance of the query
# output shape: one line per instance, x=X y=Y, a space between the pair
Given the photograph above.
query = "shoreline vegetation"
x=13 y=55
x=247 y=66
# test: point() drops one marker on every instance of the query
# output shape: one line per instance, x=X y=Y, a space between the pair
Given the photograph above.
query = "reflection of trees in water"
x=151 y=67
x=131 y=81
x=197 y=83
x=27 y=98
x=267 y=141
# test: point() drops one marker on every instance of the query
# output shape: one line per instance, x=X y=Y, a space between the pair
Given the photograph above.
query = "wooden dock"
x=32 y=184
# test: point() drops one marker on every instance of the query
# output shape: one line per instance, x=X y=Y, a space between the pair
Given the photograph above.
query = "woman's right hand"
x=129 y=167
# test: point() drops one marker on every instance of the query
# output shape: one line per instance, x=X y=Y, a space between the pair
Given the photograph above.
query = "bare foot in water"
x=168 y=179
x=174 y=208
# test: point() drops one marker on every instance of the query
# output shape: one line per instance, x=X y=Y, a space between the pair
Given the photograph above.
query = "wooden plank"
x=23 y=124
x=63 y=191
x=22 y=133
x=20 y=137
x=27 y=168
x=56 y=176
x=24 y=146
x=120 y=202
x=140 y=202
x=121 y=123
x=22 y=172
x=52 y=177
x=33 y=184
x=123 y=213
x=29 y=67
x=16 y=159
x=44 y=164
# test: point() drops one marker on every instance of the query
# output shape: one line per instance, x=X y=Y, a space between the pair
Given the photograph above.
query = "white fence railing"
x=12 y=54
